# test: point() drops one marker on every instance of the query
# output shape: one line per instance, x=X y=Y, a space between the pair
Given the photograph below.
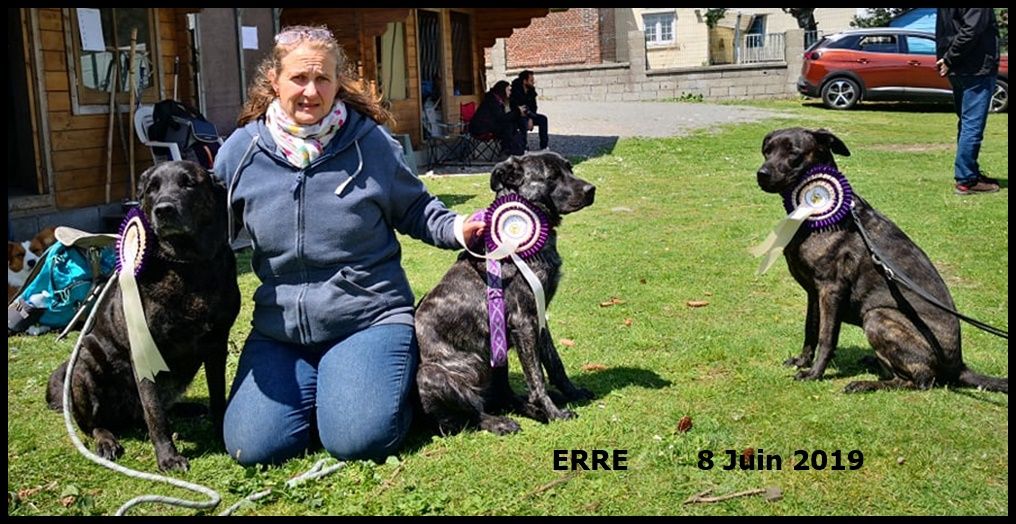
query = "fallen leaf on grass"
x=747 y=455
x=612 y=302
x=698 y=303
x=627 y=322
x=642 y=281
x=773 y=494
x=567 y=342
x=593 y=367
x=67 y=501
x=708 y=294
x=684 y=424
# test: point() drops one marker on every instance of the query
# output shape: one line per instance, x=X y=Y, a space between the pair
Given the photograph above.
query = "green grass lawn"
x=672 y=222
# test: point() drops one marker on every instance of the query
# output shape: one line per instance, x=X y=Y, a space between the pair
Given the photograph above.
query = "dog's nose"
x=164 y=211
x=589 y=191
x=30 y=264
x=763 y=174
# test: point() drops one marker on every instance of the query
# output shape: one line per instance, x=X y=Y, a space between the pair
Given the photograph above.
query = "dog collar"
x=825 y=190
x=133 y=245
x=822 y=199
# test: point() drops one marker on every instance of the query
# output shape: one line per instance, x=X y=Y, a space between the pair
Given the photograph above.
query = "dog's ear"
x=143 y=183
x=506 y=174
x=765 y=141
x=833 y=142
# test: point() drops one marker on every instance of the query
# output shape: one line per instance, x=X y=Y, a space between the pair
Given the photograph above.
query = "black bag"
x=197 y=138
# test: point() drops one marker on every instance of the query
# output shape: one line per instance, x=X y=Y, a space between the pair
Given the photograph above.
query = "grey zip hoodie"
x=324 y=246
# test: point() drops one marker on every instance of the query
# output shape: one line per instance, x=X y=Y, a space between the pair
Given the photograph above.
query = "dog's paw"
x=108 y=449
x=563 y=414
x=859 y=386
x=173 y=462
x=807 y=374
x=797 y=362
x=500 y=425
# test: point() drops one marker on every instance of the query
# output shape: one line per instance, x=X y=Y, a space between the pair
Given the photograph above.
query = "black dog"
x=917 y=343
x=190 y=296
x=457 y=385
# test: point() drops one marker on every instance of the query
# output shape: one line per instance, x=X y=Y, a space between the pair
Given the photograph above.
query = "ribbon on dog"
x=514 y=228
x=134 y=244
x=821 y=200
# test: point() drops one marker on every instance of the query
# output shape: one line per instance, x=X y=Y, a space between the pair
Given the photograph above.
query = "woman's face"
x=307 y=84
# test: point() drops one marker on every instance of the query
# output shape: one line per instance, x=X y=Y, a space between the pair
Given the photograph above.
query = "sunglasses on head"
x=289 y=36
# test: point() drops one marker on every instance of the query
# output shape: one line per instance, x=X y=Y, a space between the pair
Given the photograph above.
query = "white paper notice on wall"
x=250 y=37
x=90 y=27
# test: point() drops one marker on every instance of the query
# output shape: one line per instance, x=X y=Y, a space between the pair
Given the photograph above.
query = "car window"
x=846 y=42
x=920 y=45
x=879 y=44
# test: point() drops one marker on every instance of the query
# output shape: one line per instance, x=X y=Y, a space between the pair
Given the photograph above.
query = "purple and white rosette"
x=822 y=199
x=134 y=241
x=513 y=221
x=134 y=245
x=825 y=190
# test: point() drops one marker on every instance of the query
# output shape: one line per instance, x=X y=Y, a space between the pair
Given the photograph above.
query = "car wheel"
x=1000 y=99
x=841 y=93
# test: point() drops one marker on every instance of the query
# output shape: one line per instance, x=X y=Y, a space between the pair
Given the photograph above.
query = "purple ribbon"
x=496 y=316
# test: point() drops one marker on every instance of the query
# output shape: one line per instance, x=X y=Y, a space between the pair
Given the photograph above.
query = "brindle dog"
x=191 y=299
x=457 y=386
x=917 y=344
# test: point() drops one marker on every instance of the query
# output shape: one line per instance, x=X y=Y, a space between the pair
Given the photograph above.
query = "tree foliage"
x=805 y=17
x=714 y=14
x=878 y=16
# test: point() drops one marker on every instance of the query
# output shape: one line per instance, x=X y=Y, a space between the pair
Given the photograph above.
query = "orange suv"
x=882 y=64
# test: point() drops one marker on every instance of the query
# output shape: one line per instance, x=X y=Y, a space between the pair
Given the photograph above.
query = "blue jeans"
x=972 y=96
x=353 y=393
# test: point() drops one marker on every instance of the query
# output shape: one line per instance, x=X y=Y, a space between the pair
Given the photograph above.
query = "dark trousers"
x=539 y=121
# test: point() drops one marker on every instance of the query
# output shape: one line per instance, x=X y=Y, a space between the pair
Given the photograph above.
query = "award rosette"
x=135 y=243
x=511 y=221
x=821 y=200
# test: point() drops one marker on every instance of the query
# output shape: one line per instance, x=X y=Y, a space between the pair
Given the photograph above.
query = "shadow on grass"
x=454 y=200
x=243 y=257
x=851 y=361
x=577 y=148
x=600 y=383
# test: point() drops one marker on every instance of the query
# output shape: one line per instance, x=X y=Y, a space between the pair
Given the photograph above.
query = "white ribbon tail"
x=534 y=283
x=781 y=235
x=147 y=360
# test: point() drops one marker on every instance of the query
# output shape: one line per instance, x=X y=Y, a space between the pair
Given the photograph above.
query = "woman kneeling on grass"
x=321 y=187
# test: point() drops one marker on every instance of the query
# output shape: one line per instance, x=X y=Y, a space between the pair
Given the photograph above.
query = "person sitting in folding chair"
x=494 y=117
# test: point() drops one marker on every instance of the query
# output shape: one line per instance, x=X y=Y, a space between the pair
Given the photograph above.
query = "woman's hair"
x=500 y=89
x=352 y=91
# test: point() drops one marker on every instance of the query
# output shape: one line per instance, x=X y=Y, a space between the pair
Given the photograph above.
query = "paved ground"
x=585 y=129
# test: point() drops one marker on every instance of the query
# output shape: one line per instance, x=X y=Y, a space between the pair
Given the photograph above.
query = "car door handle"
x=914 y=62
x=863 y=60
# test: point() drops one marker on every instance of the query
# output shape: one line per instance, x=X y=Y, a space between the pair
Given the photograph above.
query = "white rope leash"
x=315 y=472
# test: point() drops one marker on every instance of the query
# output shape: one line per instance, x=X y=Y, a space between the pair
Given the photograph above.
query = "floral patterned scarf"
x=302 y=144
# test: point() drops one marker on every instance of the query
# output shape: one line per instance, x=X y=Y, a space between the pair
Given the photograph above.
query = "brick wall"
x=633 y=81
x=560 y=38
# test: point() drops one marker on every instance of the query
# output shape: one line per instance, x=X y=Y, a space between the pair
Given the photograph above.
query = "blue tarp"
x=920 y=19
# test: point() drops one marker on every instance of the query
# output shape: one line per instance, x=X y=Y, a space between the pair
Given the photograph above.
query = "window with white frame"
x=659 y=28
